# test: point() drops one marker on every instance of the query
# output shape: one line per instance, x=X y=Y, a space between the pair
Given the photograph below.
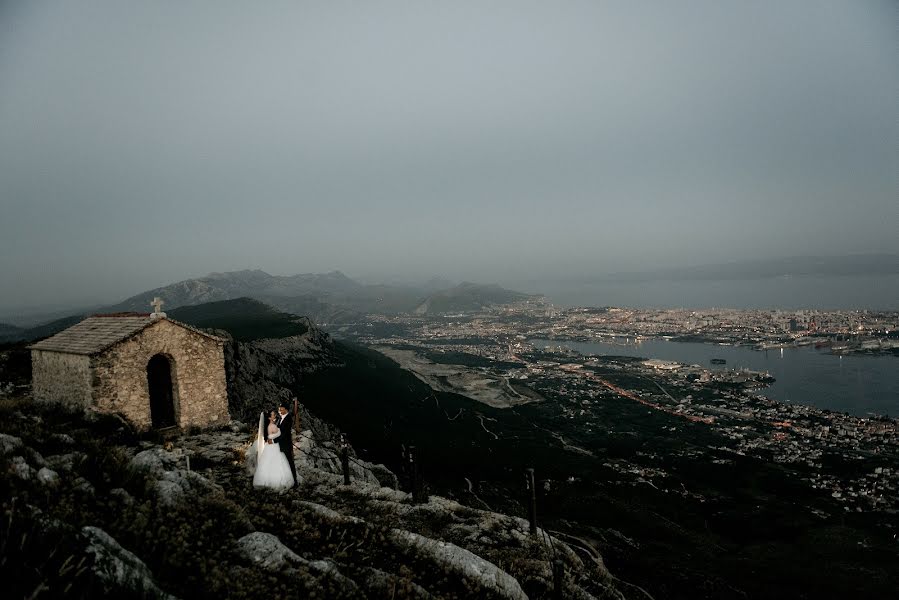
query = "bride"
x=272 y=469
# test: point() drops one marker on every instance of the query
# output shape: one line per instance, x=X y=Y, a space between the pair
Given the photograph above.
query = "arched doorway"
x=162 y=396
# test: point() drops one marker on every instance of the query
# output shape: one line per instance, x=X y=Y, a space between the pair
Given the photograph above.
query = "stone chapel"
x=154 y=371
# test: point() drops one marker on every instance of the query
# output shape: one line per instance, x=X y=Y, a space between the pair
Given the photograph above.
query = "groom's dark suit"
x=285 y=440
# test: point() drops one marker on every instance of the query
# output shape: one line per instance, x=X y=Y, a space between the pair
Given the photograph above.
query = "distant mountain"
x=323 y=297
x=468 y=296
x=212 y=288
x=326 y=297
x=435 y=284
x=800 y=266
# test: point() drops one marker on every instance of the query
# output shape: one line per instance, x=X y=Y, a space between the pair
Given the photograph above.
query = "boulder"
x=157 y=460
x=48 y=477
x=385 y=476
x=9 y=444
x=35 y=458
x=83 y=486
x=122 y=496
x=118 y=571
x=173 y=487
x=65 y=463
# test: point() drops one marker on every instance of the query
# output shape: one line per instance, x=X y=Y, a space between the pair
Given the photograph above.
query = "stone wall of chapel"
x=198 y=376
x=60 y=377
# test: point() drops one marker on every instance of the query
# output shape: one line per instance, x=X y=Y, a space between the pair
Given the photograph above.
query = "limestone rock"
x=217 y=447
x=21 y=468
x=65 y=463
x=174 y=487
x=48 y=477
x=119 y=571
x=62 y=439
x=9 y=444
x=325 y=457
x=84 y=486
x=267 y=552
x=157 y=460
x=385 y=476
x=379 y=584
x=122 y=496
x=35 y=458
x=464 y=563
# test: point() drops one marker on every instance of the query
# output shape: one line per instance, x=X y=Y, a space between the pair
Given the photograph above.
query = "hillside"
x=46 y=329
x=244 y=318
x=468 y=296
x=127 y=516
x=10 y=333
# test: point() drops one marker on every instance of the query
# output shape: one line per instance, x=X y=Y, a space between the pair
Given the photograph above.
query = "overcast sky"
x=143 y=143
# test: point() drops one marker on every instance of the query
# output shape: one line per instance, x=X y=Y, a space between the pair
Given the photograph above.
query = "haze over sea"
x=864 y=292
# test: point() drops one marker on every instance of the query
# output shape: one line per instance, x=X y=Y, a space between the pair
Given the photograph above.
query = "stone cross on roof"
x=157 y=305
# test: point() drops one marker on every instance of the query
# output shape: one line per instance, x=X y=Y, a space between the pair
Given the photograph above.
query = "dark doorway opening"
x=162 y=397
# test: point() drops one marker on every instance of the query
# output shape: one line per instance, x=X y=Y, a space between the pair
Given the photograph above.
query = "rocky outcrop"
x=178 y=486
x=466 y=542
x=325 y=456
x=260 y=374
x=118 y=571
x=366 y=539
x=9 y=444
x=157 y=460
x=266 y=551
x=48 y=477
x=464 y=563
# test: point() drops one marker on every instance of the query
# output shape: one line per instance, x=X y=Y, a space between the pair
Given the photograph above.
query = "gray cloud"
x=140 y=144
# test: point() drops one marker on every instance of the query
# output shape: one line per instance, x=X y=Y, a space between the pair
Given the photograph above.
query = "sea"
x=859 y=384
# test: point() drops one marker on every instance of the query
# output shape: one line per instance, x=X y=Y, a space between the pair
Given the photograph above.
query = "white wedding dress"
x=272 y=468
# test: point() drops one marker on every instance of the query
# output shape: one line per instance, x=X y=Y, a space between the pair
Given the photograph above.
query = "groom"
x=285 y=440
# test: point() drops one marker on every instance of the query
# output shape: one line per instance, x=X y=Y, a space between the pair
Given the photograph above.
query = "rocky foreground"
x=90 y=509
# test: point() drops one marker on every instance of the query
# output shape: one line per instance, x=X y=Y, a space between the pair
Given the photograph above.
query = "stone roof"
x=99 y=332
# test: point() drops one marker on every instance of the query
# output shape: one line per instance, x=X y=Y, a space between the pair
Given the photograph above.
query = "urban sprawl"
x=816 y=444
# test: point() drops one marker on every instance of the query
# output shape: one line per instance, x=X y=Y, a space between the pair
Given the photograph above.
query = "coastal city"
x=493 y=355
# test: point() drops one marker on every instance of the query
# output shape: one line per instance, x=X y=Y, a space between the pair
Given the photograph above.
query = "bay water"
x=859 y=384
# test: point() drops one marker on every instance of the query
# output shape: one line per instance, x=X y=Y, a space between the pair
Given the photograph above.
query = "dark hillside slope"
x=743 y=530
x=384 y=408
x=244 y=318
x=10 y=333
